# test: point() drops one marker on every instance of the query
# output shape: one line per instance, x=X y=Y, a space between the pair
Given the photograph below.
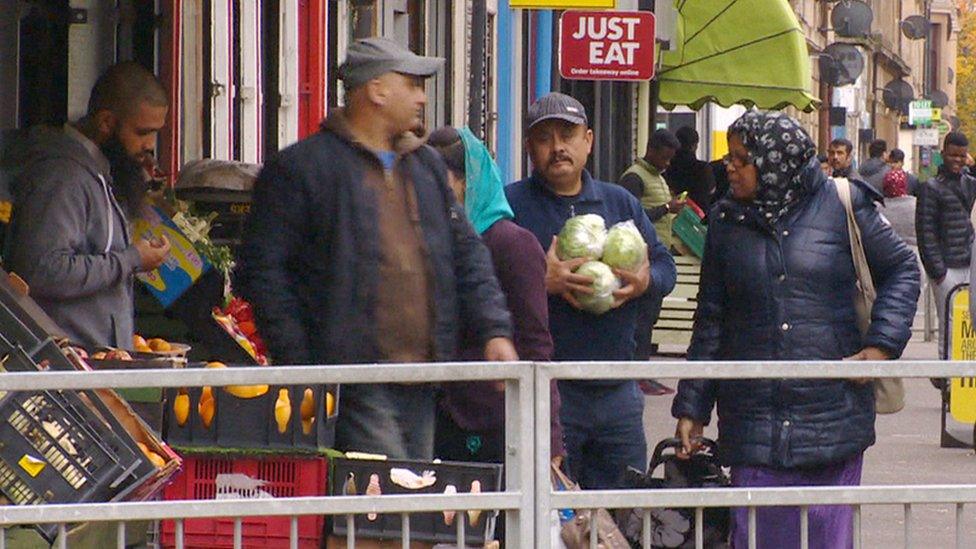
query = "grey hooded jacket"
x=71 y=241
x=873 y=172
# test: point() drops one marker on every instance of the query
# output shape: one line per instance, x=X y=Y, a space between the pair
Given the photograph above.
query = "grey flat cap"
x=558 y=106
x=369 y=58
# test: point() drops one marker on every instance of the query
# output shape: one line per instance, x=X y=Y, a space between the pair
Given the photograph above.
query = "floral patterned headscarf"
x=780 y=149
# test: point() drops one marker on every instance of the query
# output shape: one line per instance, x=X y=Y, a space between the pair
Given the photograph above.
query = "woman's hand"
x=690 y=432
x=868 y=354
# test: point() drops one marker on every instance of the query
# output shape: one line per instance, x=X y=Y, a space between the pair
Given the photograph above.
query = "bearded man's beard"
x=129 y=181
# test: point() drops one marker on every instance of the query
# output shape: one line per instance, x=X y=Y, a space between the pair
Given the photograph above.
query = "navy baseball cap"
x=555 y=106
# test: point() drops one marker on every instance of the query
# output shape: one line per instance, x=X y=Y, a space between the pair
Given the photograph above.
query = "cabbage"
x=604 y=284
x=582 y=236
x=625 y=248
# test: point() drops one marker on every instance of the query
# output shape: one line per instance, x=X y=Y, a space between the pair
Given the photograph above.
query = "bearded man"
x=79 y=184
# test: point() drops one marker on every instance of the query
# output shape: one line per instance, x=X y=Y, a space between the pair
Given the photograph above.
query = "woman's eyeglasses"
x=739 y=161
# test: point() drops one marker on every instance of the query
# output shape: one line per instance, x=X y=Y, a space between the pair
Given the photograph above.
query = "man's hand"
x=500 y=349
x=634 y=283
x=153 y=253
x=676 y=205
x=690 y=432
x=870 y=354
x=560 y=279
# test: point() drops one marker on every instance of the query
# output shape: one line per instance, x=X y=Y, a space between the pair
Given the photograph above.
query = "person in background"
x=839 y=155
x=899 y=206
x=772 y=248
x=471 y=422
x=896 y=160
x=825 y=165
x=71 y=240
x=356 y=252
x=721 y=177
x=876 y=167
x=687 y=174
x=602 y=420
x=943 y=226
x=645 y=181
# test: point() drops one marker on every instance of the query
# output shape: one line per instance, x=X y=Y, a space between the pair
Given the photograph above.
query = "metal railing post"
x=519 y=452
x=543 y=459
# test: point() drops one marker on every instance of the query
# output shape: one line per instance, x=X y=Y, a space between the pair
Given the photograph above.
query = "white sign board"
x=928 y=137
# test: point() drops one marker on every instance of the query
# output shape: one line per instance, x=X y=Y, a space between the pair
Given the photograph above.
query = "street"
x=907 y=452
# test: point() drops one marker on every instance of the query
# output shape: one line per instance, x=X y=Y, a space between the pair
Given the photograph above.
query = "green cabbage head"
x=582 y=236
x=604 y=284
x=625 y=248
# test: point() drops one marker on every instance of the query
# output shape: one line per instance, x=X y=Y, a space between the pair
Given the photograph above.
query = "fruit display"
x=252 y=416
x=157 y=346
x=237 y=319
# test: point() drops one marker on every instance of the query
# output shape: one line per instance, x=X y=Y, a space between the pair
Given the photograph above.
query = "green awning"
x=747 y=52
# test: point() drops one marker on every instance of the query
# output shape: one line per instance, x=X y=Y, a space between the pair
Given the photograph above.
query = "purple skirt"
x=831 y=526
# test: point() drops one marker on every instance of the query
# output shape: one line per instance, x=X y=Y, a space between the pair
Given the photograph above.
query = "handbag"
x=576 y=525
x=675 y=528
x=889 y=393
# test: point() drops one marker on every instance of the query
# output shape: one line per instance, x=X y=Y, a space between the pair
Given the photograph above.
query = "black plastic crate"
x=430 y=527
x=46 y=355
x=65 y=447
x=250 y=423
x=231 y=206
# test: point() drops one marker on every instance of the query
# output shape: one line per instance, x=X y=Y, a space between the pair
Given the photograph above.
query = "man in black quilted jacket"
x=942 y=222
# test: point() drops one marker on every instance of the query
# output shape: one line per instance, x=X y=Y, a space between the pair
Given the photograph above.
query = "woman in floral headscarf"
x=778 y=283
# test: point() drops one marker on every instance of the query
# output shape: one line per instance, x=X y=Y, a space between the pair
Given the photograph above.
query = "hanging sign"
x=561 y=4
x=606 y=45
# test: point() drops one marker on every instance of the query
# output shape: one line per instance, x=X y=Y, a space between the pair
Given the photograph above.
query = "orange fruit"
x=329 y=404
x=159 y=345
x=139 y=341
x=308 y=404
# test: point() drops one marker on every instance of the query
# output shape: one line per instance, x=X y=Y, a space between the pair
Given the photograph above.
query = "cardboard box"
x=182 y=268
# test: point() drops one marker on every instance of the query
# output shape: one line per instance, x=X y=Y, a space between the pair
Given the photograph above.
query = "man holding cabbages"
x=602 y=420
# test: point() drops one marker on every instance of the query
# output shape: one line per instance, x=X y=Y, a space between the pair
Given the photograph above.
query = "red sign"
x=606 y=45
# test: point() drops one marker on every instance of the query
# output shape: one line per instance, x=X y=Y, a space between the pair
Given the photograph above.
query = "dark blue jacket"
x=310 y=259
x=787 y=293
x=578 y=335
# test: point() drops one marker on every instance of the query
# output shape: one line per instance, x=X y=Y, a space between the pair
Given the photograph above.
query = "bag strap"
x=864 y=280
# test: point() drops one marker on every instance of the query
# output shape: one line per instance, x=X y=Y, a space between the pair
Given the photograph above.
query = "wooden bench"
x=674 y=326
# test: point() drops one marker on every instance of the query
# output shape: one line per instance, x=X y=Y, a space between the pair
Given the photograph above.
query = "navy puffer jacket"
x=786 y=292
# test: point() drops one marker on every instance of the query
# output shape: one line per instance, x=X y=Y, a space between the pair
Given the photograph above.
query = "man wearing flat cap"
x=357 y=252
x=603 y=426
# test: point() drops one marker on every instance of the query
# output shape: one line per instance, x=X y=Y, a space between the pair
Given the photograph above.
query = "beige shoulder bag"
x=889 y=393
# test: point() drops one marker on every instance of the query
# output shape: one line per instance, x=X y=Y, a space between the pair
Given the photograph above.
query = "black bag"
x=675 y=528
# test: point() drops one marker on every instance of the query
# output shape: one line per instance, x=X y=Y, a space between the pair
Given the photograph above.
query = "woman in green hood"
x=471 y=422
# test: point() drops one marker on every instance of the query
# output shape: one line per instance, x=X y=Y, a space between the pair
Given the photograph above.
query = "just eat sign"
x=606 y=45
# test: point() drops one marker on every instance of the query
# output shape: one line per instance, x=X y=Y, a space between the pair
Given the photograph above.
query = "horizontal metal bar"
x=756 y=370
x=765 y=497
x=279 y=375
x=334 y=505
x=472 y=371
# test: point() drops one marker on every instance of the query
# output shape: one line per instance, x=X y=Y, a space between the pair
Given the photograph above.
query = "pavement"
x=907 y=452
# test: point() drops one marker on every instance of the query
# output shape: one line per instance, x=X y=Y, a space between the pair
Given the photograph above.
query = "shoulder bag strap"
x=865 y=284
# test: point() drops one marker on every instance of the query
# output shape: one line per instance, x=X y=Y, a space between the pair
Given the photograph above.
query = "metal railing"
x=548 y=500
x=517 y=499
x=528 y=499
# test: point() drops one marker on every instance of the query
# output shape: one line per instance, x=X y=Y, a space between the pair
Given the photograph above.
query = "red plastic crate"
x=286 y=476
